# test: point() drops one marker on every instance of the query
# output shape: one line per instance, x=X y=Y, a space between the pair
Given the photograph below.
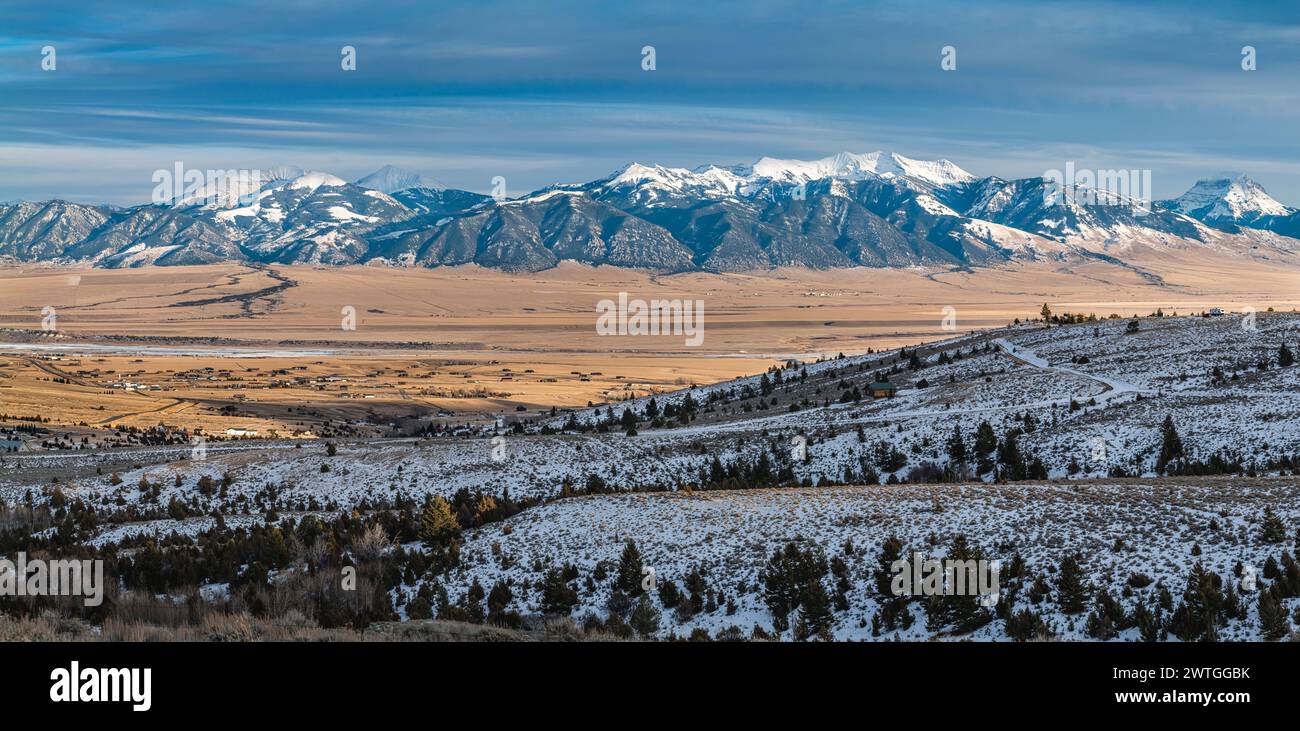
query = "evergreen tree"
x=1009 y=455
x=1272 y=531
x=1148 y=622
x=986 y=443
x=669 y=594
x=1200 y=613
x=1171 y=446
x=474 y=602
x=815 y=618
x=1273 y=622
x=959 y=613
x=956 y=446
x=629 y=570
x=1285 y=357
x=497 y=601
x=1071 y=585
x=890 y=551
x=788 y=580
x=1026 y=625
x=558 y=597
x=645 y=617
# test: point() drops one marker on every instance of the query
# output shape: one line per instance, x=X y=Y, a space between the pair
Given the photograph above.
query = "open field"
x=1036 y=444
x=472 y=310
x=266 y=349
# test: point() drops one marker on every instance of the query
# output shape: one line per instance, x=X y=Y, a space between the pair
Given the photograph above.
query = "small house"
x=883 y=389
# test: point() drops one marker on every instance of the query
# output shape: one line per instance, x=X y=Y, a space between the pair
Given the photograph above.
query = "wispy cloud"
x=539 y=93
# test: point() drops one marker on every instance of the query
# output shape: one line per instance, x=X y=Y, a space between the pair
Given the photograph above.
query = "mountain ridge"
x=875 y=209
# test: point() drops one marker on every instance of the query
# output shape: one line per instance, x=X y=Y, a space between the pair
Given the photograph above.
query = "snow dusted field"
x=729 y=535
x=1129 y=383
x=1088 y=401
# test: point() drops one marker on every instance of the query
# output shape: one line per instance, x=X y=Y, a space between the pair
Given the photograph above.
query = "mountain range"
x=873 y=209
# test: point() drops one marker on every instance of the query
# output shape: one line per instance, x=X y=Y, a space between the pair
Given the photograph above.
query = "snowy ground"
x=1122 y=386
x=729 y=535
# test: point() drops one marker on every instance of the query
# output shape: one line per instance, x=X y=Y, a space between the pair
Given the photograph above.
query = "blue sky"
x=554 y=92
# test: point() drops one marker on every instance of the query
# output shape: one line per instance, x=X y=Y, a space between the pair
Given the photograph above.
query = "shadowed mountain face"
x=874 y=209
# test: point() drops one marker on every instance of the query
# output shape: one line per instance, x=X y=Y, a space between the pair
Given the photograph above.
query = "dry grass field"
x=266 y=349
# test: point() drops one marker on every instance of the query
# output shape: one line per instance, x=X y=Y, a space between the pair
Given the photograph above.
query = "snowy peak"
x=859 y=166
x=939 y=172
x=311 y=180
x=1238 y=199
x=390 y=179
x=652 y=183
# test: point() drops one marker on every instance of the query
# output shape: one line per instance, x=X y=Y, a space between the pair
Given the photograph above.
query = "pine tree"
x=669 y=595
x=1273 y=622
x=1026 y=625
x=1046 y=312
x=956 y=446
x=1071 y=586
x=474 y=602
x=629 y=570
x=1148 y=622
x=986 y=443
x=815 y=618
x=1272 y=531
x=1171 y=446
x=1201 y=611
x=497 y=601
x=1009 y=455
x=959 y=613
x=645 y=617
x=1285 y=357
x=557 y=596
x=787 y=581
x=890 y=551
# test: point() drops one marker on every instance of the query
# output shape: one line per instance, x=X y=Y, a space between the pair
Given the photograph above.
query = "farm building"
x=883 y=389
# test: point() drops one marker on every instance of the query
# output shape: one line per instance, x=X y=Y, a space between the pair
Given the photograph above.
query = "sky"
x=540 y=93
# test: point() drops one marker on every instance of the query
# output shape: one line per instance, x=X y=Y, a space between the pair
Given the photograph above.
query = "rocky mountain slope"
x=875 y=209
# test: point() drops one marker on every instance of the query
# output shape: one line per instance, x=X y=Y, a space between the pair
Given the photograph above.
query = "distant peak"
x=1231 y=197
x=859 y=165
x=313 y=180
x=391 y=179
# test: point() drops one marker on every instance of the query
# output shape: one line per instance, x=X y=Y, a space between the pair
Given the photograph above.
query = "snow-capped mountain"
x=1237 y=199
x=872 y=209
x=1236 y=203
x=855 y=166
x=390 y=179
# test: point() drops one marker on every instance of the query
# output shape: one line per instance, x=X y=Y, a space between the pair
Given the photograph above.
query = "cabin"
x=1216 y=312
x=882 y=389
